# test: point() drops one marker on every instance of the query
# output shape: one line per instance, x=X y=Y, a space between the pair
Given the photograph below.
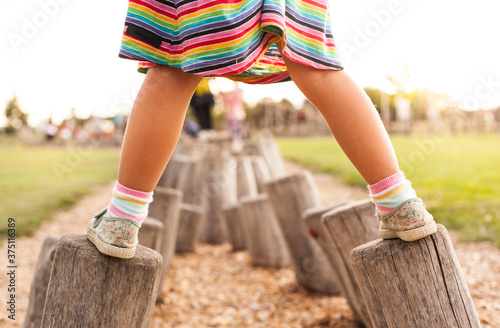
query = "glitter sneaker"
x=113 y=236
x=409 y=221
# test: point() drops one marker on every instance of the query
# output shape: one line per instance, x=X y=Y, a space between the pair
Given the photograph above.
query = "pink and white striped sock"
x=390 y=192
x=129 y=203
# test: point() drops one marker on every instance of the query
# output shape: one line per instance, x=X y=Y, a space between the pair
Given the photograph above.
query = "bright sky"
x=66 y=52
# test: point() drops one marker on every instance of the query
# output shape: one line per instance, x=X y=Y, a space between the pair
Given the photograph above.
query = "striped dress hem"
x=230 y=38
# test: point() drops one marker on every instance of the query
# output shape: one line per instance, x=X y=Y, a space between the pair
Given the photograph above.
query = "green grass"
x=458 y=177
x=35 y=181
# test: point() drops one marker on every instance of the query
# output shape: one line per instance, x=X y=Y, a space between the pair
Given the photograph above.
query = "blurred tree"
x=16 y=118
x=419 y=104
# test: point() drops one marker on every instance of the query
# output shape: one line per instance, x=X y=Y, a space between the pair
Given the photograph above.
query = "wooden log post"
x=349 y=226
x=414 y=284
x=312 y=217
x=40 y=282
x=245 y=178
x=272 y=155
x=290 y=196
x=190 y=220
x=165 y=208
x=151 y=233
x=261 y=172
x=217 y=188
x=169 y=175
x=90 y=289
x=234 y=227
x=183 y=174
x=264 y=239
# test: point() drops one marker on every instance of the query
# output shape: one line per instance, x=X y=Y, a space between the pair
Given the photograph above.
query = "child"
x=253 y=41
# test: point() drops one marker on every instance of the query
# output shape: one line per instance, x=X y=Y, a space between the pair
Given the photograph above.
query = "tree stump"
x=261 y=172
x=262 y=233
x=271 y=153
x=40 y=282
x=234 y=227
x=183 y=173
x=90 y=289
x=189 y=228
x=245 y=178
x=151 y=233
x=217 y=188
x=349 y=226
x=165 y=208
x=312 y=218
x=290 y=196
x=414 y=284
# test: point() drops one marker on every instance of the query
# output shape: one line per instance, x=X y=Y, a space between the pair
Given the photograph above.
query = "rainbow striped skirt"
x=231 y=38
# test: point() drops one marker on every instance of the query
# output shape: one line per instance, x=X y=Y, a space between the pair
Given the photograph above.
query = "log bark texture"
x=245 y=178
x=265 y=241
x=40 y=282
x=414 y=284
x=290 y=196
x=165 y=208
x=349 y=226
x=190 y=220
x=183 y=173
x=90 y=289
x=151 y=233
x=234 y=227
x=312 y=218
x=217 y=189
x=261 y=172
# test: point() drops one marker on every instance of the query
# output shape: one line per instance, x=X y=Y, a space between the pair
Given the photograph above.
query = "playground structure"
x=211 y=194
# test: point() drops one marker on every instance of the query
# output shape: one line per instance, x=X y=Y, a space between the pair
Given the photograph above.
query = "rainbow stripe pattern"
x=129 y=203
x=390 y=192
x=230 y=38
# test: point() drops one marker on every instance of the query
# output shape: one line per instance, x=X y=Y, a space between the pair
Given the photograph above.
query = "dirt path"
x=216 y=288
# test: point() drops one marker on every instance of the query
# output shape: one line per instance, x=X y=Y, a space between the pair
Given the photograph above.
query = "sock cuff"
x=380 y=187
x=143 y=196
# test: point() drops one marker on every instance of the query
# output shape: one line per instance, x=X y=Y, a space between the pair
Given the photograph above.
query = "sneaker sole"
x=123 y=253
x=410 y=235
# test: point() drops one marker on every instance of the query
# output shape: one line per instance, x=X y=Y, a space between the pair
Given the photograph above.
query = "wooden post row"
x=165 y=208
x=217 y=189
x=290 y=196
x=90 y=289
x=333 y=228
x=261 y=172
x=235 y=227
x=263 y=236
x=245 y=178
x=349 y=226
x=151 y=233
x=414 y=284
x=191 y=217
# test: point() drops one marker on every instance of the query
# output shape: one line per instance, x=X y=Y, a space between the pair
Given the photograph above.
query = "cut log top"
x=230 y=207
x=90 y=289
x=414 y=284
x=152 y=223
x=320 y=210
x=255 y=198
x=191 y=207
x=163 y=191
x=183 y=158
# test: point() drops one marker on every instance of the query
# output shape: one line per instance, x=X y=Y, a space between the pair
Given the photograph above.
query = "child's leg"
x=352 y=118
x=154 y=126
x=357 y=127
x=152 y=132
